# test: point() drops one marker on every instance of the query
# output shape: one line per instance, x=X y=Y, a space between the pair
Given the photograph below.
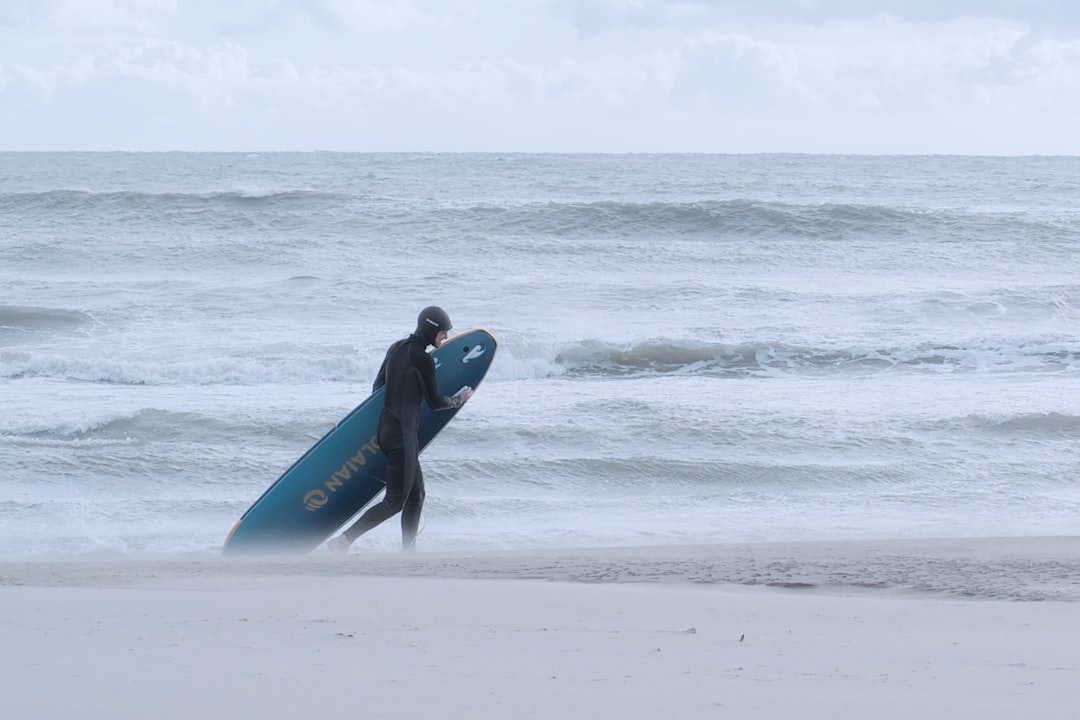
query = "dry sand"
x=899 y=629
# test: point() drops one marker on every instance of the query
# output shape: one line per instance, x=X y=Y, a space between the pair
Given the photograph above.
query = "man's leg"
x=410 y=514
x=389 y=506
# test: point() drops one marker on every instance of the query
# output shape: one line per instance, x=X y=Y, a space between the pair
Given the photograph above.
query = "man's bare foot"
x=339 y=544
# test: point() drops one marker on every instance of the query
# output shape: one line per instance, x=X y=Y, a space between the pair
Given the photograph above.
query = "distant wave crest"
x=675 y=357
x=67 y=201
x=1019 y=424
x=126 y=427
x=201 y=371
x=735 y=217
x=741 y=217
x=584 y=358
x=21 y=318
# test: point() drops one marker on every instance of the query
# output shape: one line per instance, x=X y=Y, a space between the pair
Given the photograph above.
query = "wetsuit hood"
x=431 y=321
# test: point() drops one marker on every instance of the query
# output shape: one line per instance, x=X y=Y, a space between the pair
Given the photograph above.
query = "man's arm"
x=380 y=379
x=430 y=382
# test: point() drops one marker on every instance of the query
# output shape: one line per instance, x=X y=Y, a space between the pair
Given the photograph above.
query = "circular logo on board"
x=315 y=500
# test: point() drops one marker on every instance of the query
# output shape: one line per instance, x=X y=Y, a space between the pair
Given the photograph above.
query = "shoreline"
x=1009 y=568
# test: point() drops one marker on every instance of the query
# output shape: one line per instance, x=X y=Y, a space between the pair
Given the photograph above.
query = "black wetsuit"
x=408 y=372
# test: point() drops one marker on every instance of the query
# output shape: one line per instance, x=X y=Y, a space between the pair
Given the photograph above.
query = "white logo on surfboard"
x=476 y=352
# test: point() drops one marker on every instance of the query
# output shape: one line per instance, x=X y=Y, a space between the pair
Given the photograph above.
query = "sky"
x=987 y=77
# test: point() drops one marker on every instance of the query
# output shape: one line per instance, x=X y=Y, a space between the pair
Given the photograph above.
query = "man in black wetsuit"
x=408 y=372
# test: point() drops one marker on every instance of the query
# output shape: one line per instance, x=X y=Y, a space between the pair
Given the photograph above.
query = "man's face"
x=440 y=338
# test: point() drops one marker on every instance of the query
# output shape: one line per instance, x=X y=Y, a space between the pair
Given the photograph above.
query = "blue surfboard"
x=345 y=470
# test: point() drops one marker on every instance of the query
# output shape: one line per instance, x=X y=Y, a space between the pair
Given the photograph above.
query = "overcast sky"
x=859 y=76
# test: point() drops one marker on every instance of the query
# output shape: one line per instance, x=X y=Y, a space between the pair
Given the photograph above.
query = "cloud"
x=197 y=70
x=883 y=65
x=15 y=13
x=171 y=62
x=367 y=16
x=84 y=14
x=20 y=85
x=481 y=75
x=594 y=16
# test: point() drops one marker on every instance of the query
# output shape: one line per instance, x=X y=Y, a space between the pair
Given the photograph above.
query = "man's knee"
x=416 y=498
x=394 y=501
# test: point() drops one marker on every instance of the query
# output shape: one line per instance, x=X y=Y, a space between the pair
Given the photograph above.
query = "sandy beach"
x=890 y=629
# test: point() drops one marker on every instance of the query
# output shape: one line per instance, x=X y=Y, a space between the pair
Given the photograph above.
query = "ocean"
x=693 y=348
